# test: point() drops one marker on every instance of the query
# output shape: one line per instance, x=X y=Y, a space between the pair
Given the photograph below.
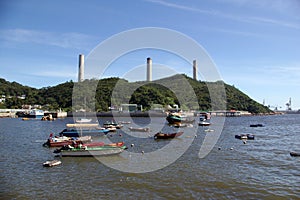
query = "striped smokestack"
x=149 y=69
x=195 y=69
x=81 y=68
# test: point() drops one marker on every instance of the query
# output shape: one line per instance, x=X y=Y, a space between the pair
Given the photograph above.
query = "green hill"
x=178 y=89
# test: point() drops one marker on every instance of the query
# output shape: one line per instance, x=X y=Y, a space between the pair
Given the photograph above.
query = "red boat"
x=161 y=135
x=61 y=141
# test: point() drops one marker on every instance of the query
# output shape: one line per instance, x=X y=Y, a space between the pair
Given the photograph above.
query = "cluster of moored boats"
x=76 y=139
x=248 y=136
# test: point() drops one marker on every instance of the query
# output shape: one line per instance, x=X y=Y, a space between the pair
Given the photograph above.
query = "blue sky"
x=255 y=44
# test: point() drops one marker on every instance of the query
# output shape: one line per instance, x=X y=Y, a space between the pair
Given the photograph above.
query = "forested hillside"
x=178 y=89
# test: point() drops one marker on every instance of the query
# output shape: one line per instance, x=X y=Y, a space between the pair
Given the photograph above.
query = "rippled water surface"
x=260 y=169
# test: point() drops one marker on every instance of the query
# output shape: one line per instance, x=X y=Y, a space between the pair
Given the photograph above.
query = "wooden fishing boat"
x=161 y=135
x=85 y=151
x=294 y=154
x=147 y=129
x=51 y=163
x=245 y=137
x=63 y=140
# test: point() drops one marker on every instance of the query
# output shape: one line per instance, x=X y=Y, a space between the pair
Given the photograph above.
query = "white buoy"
x=132 y=145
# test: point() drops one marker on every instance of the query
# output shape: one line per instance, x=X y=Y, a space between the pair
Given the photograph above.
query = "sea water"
x=260 y=169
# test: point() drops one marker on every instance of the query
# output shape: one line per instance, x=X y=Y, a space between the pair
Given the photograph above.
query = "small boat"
x=63 y=140
x=85 y=151
x=51 y=163
x=161 y=135
x=112 y=124
x=173 y=118
x=124 y=122
x=83 y=120
x=256 y=125
x=203 y=116
x=203 y=123
x=101 y=144
x=294 y=154
x=78 y=133
x=147 y=129
x=35 y=113
x=48 y=118
x=82 y=125
x=245 y=137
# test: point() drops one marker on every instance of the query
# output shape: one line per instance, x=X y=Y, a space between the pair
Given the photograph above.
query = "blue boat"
x=78 y=133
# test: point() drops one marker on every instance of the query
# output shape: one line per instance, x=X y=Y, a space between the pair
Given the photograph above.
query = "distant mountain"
x=178 y=89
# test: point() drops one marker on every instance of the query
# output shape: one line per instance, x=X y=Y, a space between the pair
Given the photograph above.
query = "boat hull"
x=294 y=154
x=245 y=137
x=51 y=163
x=256 y=125
x=92 y=152
x=78 y=133
x=167 y=135
x=173 y=119
x=204 y=124
x=139 y=129
x=57 y=142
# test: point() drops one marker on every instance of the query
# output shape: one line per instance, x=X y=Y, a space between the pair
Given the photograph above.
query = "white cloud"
x=63 y=40
x=55 y=73
x=277 y=4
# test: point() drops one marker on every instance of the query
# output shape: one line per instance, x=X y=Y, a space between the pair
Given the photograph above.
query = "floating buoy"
x=231 y=148
x=244 y=141
x=219 y=148
x=132 y=145
x=143 y=152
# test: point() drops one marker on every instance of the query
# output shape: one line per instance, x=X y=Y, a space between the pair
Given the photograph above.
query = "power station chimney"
x=149 y=69
x=81 y=68
x=195 y=69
